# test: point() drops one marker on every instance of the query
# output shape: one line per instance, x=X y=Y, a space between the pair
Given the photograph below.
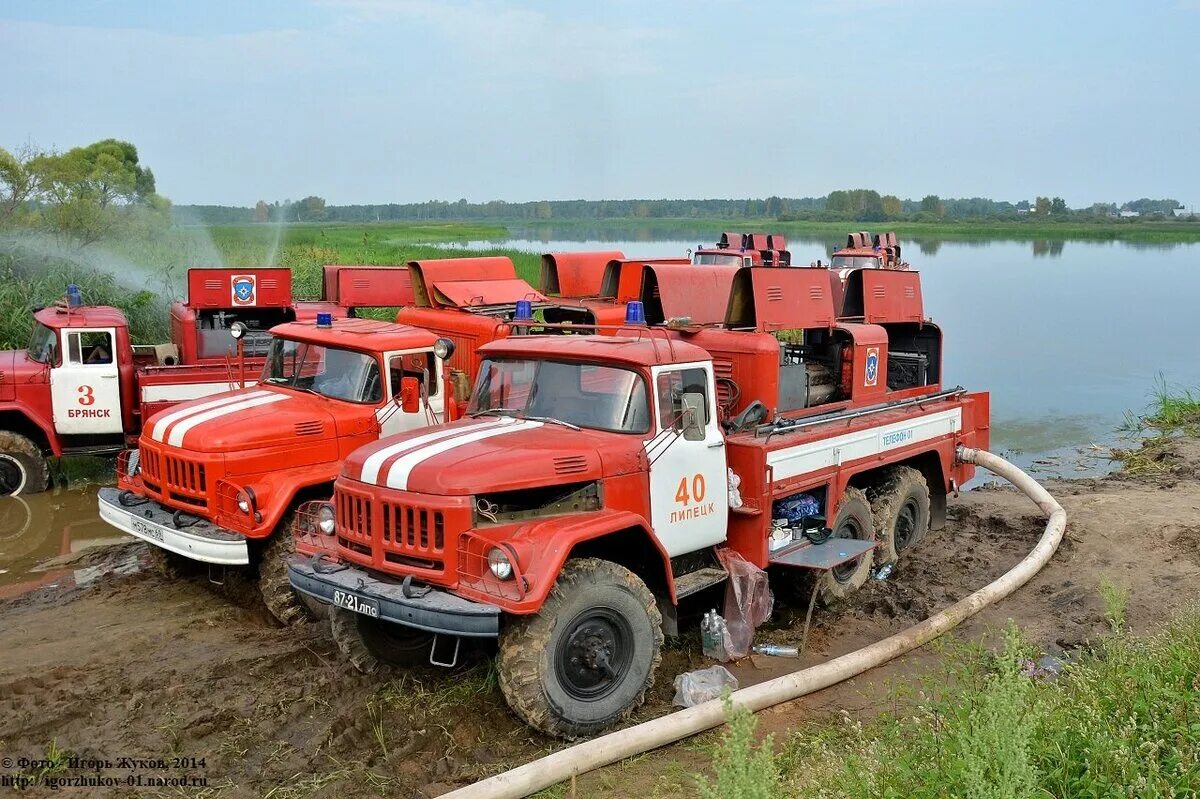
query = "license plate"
x=147 y=530
x=358 y=604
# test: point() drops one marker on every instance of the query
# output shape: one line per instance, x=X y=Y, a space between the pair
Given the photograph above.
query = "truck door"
x=85 y=390
x=689 y=496
x=423 y=365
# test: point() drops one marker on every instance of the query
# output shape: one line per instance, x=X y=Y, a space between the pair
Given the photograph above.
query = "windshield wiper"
x=493 y=412
x=551 y=420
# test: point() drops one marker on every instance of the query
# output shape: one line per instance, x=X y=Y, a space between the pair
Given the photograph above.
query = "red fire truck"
x=595 y=478
x=211 y=480
x=81 y=387
x=862 y=251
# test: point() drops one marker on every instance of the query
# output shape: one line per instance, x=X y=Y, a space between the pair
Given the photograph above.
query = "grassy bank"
x=1122 y=719
x=1173 y=412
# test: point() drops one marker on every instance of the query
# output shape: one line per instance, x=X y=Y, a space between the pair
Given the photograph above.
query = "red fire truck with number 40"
x=595 y=478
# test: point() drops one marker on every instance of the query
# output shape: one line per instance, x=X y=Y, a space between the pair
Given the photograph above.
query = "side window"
x=91 y=347
x=421 y=365
x=671 y=388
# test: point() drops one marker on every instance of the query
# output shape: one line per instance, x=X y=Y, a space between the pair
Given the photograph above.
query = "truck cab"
x=745 y=249
x=212 y=480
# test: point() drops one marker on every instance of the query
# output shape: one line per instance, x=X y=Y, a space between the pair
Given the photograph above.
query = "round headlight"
x=443 y=348
x=499 y=563
x=237 y=330
x=325 y=521
x=243 y=501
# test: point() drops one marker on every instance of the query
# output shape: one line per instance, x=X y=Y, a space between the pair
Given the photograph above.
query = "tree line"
x=860 y=205
x=82 y=195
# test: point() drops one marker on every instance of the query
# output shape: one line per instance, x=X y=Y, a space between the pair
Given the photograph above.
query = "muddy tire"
x=171 y=565
x=281 y=599
x=854 y=520
x=900 y=506
x=23 y=468
x=370 y=644
x=587 y=658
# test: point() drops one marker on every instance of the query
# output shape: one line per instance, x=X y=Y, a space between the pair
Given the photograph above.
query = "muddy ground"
x=132 y=665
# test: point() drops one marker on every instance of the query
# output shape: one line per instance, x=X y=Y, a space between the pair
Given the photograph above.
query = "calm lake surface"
x=1068 y=336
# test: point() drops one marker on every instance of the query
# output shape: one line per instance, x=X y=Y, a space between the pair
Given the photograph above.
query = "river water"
x=1068 y=336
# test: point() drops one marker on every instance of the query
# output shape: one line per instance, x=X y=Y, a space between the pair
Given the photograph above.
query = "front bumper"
x=151 y=522
x=428 y=609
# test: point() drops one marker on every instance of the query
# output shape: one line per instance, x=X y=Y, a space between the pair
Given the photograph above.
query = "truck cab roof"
x=57 y=317
x=358 y=334
x=629 y=347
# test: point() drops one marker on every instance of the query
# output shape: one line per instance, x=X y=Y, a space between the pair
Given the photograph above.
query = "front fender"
x=277 y=493
x=542 y=547
x=39 y=421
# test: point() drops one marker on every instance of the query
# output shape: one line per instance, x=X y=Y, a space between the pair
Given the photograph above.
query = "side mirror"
x=410 y=394
x=695 y=416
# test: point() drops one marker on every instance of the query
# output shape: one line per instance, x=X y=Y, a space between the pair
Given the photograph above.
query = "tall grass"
x=1121 y=721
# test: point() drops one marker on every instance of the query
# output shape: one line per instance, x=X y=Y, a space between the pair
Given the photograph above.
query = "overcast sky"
x=369 y=101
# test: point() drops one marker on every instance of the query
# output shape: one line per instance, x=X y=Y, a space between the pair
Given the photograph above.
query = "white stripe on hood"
x=375 y=461
x=159 y=430
x=182 y=428
x=397 y=476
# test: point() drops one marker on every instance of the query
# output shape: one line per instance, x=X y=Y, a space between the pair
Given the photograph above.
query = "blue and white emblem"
x=872 y=367
x=244 y=290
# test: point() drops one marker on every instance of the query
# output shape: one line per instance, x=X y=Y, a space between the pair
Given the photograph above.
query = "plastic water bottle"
x=777 y=650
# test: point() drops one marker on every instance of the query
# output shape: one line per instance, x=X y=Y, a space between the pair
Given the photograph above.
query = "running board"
x=697 y=581
x=821 y=557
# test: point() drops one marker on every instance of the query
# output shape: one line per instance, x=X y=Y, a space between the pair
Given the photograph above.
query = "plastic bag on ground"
x=748 y=601
x=695 y=687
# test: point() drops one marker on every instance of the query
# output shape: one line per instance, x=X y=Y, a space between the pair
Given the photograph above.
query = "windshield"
x=853 y=261
x=582 y=394
x=328 y=371
x=43 y=344
x=721 y=259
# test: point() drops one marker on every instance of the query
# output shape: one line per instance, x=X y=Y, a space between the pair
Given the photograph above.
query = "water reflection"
x=45 y=527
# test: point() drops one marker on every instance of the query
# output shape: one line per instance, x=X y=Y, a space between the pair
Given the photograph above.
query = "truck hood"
x=242 y=420
x=16 y=369
x=487 y=454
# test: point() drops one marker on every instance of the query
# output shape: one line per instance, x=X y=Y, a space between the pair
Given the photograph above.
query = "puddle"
x=38 y=530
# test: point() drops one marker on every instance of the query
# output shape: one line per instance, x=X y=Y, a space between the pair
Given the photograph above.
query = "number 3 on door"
x=87 y=395
x=698 y=490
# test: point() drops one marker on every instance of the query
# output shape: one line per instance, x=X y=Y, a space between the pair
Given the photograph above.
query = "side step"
x=694 y=582
x=821 y=557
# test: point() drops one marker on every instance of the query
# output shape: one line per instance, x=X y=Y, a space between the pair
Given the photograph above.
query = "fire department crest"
x=872 y=366
x=245 y=290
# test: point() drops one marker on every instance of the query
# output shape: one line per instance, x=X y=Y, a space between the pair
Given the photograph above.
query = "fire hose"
x=635 y=740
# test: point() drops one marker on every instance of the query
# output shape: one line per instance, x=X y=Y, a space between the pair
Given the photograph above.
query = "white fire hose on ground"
x=616 y=746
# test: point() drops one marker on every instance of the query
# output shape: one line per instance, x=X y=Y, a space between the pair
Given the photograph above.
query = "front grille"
x=174 y=478
x=390 y=532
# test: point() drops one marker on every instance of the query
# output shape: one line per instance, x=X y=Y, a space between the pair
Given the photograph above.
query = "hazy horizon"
x=396 y=101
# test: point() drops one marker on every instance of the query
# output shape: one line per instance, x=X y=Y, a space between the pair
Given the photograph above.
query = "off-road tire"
x=23 y=467
x=900 y=505
x=281 y=599
x=171 y=565
x=853 y=516
x=531 y=647
x=370 y=644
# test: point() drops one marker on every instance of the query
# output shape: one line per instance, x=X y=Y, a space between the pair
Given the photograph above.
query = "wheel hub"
x=906 y=525
x=12 y=476
x=848 y=529
x=593 y=656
